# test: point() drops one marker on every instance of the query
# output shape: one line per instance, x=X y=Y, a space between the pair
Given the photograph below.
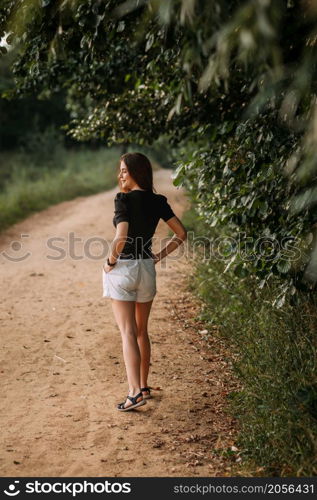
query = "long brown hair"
x=140 y=169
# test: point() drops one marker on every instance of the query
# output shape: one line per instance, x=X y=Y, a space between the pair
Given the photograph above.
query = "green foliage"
x=102 y=61
x=44 y=147
x=249 y=199
x=216 y=75
x=275 y=358
x=27 y=118
x=30 y=190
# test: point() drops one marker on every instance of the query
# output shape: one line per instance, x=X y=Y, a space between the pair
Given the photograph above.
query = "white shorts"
x=131 y=279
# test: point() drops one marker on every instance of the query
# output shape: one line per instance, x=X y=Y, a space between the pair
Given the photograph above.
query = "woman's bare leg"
x=124 y=313
x=142 y=312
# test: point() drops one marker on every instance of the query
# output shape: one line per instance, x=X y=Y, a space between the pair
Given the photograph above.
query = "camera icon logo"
x=18 y=253
x=12 y=490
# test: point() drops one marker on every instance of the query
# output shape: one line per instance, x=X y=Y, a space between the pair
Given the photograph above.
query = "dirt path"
x=62 y=371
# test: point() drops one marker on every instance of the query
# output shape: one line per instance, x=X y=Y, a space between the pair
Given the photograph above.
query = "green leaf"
x=283 y=266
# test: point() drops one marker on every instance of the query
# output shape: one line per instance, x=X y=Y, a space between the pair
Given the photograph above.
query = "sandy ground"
x=62 y=369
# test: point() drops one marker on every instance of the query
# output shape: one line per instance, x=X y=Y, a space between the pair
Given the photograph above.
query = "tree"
x=234 y=81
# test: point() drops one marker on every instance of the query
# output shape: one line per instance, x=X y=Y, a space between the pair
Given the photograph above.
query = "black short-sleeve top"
x=143 y=210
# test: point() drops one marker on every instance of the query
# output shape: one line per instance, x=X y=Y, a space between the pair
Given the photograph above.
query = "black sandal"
x=134 y=403
x=146 y=389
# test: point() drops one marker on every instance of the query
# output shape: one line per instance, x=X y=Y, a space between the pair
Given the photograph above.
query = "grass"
x=275 y=359
x=47 y=174
x=31 y=188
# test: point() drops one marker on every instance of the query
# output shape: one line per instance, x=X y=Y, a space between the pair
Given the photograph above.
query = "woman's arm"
x=117 y=244
x=179 y=237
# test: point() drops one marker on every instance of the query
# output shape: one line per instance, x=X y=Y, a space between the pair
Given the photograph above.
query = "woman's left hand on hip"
x=107 y=268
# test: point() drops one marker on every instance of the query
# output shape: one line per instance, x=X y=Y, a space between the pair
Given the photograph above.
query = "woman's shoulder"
x=160 y=197
x=136 y=192
x=121 y=196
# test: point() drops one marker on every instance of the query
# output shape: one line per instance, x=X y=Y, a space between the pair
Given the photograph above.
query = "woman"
x=129 y=276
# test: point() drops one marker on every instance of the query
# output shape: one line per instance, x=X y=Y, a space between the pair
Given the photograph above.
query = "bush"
x=275 y=358
x=44 y=147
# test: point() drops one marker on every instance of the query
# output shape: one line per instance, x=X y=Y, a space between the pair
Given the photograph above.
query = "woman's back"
x=142 y=210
